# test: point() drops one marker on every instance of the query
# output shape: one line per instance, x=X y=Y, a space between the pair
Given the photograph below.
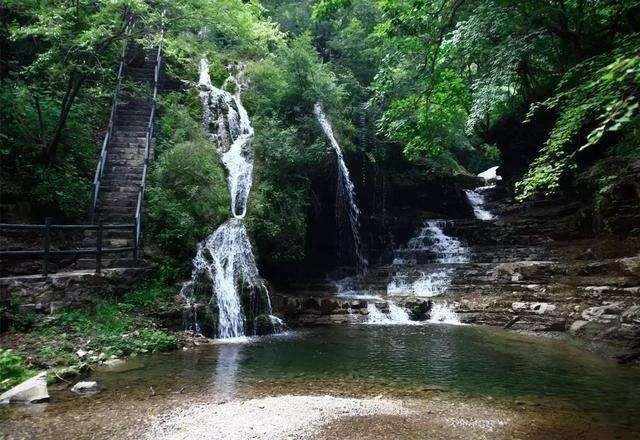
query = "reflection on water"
x=473 y=360
x=227 y=366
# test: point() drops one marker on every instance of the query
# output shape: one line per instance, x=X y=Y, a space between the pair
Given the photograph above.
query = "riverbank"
x=70 y=342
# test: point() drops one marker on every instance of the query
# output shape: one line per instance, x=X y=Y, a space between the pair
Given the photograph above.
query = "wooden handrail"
x=95 y=186
x=18 y=226
x=147 y=141
x=45 y=252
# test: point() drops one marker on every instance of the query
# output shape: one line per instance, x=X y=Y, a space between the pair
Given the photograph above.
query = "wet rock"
x=328 y=305
x=604 y=313
x=631 y=315
x=120 y=365
x=524 y=270
x=577 y=326
x=86 y=387
x=519 y=306
x=339 y=319
x=543 y=308
x=33 y=390
x=419 y=311
x=537 y=307
x=264 y=325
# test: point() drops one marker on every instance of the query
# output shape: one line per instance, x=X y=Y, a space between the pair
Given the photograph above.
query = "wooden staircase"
x=121 y=173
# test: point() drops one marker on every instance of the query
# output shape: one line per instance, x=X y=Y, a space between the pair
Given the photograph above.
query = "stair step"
x=90 y=263
x=108 y=242
x=133 y=180
x=109 y=204
x=119 y=169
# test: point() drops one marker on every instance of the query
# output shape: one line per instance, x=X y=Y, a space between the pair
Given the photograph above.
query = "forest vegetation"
x=434 y=87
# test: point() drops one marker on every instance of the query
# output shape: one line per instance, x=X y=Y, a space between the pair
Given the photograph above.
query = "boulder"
x=33 y=390
x=577 y=326
x=631 y=265
x=85 y=387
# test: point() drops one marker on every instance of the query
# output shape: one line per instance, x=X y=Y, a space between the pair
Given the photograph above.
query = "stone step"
x=132 y=130
x=128 y=118
x=129 y=132
x=109 y=203
x=119 y=138
x=126 y=148
x=125 y=161
x=148 y=69
x=115 y=170
x=130 y=179
x=119 y=193
x=134 y=106
x=122 y=145
x=116 y=218
x=113 y=208
x=110 y=262
x=109 y=242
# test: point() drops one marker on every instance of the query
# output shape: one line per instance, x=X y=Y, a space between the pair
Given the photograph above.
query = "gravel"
x=281 y=417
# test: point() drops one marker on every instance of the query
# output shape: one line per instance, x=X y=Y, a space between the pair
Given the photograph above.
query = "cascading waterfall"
x=447 y=250
x=441 y=313
x=477 y=201
x=395 y=315
x=346 y=186
x=226 y=257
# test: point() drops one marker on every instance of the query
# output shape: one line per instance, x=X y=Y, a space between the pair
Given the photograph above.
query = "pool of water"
x=467 y=359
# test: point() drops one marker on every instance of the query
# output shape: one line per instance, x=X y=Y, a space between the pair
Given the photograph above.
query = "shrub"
x=13 y=369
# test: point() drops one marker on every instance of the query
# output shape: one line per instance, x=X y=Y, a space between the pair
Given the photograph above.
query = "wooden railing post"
x=45 y=245
x=135 y=241
x=99 y=248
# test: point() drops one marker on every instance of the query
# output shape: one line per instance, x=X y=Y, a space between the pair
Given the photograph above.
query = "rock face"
x=44 y=295
x=33 y=390
x=533 y=267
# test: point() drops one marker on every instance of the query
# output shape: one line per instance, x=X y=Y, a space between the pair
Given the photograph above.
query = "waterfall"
x=441 y=313
x=346 y=186
x=395 y=315
x=226 y=257
x=445 y=250
x=477 y=201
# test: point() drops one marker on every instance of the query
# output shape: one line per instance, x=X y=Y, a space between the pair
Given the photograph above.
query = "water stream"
x=433 y=281
x=226 y=258
x=345 y=187
x=477 y=201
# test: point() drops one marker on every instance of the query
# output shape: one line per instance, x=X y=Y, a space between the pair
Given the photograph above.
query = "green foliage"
x=110 y=328
x=289 y=146
x=281 y=195
x=13 y=369
x=155 y=292
x=596 y=97
x=187 y=195
x=324 y=8
x=63 y=188
x=291 y=81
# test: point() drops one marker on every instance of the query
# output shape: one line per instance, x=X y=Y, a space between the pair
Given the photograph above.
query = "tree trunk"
x=72 y=92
